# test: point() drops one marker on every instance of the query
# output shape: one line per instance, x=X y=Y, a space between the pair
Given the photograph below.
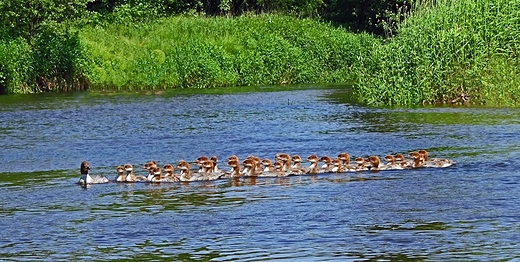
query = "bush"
x=37 y=52
x=59 y=62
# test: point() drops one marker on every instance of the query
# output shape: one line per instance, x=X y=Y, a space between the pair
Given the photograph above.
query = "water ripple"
x=465 y=212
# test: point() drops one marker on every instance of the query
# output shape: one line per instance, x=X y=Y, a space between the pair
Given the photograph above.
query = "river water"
x=465 y=212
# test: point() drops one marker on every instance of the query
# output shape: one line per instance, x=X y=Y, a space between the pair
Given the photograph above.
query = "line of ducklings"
x=283 y=165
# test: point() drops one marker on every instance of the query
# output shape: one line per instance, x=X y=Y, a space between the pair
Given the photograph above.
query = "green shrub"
x=59 y=62
x=37 y=52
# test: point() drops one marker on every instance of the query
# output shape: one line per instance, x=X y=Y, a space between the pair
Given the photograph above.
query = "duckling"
x=361 y=164
x=188 y=176
x=208 y=166
x=130 y=177
x=169 y=176
x=200 y=163
x=266 y=162
x=214 y=160
x=278 y=169
x=376 y=164
x=150 y=173
x=286 y=161
x=185 y=170
x=235 y=169
x=253 y=165
x=345 y=162
x=313 y=168
x=391 y=164
x=337 y=167
x=400 y=160
x=296 y=168
x=150 y=165
x=249 y=168
x=211 y=172
x=157 y=175
x=120 y=174
x=326 y=167
x=272 y=170
x=435 y=162
x=417 y=159
x=258 y=165
x=168 y=170
x=296 y=162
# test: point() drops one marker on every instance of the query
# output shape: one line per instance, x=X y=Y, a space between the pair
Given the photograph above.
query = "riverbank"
x=450 y=52
x=441 y=55
x=197 y=52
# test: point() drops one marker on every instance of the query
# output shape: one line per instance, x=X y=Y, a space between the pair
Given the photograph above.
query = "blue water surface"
x=462 y=213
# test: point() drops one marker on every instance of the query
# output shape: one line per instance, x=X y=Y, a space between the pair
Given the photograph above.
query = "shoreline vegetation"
x=436 y=52
x=200 y=52
x=451 y=52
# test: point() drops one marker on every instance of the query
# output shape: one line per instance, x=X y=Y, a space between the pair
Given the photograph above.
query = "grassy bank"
x=444 y=50
x=179 y=52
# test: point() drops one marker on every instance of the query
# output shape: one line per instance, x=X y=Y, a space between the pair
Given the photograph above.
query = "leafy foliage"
x=378 y=17
x=25 y=18
x=37 y=51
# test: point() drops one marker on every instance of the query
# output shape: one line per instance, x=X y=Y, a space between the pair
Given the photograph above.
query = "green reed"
x=51 y=61
x=15 y=63
x=447 y=48
x=179 y=52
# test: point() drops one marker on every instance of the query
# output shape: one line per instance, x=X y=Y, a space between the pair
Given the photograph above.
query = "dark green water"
x=464 y=212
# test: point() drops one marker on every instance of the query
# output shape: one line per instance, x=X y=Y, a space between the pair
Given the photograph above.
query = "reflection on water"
x=465 y=212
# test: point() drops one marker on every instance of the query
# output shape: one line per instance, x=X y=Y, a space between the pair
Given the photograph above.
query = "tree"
x=38 y=52
x=25 y=18
x=375 y=16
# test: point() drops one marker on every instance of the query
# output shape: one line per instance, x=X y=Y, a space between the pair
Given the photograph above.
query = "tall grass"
x=15 y=60
x=179 y=52
x=51 y=61
x=445 y=49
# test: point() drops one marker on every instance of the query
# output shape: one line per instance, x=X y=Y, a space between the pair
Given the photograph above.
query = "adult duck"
x=87 y=178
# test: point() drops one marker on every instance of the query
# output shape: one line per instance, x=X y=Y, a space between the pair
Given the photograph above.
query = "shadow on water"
x=412 y=225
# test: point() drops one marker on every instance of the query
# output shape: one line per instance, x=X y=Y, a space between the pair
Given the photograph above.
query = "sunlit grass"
x=179 y=52
x=444 y=49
